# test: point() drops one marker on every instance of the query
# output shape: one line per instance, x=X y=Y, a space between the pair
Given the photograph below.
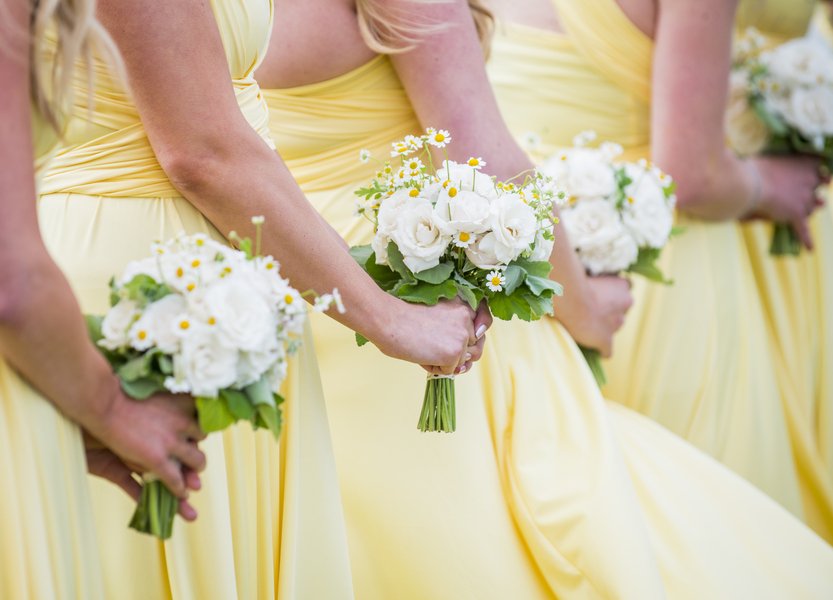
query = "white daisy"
x=364 y=155
x=495 y=281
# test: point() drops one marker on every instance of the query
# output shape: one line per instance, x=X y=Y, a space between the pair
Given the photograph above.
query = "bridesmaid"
x=694 y=355
x=189 y=150
x=52 y=379
x=797 y=293
x=544 y=490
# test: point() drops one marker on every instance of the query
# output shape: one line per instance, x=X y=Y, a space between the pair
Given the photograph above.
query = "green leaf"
x=537 y=268
x=238 y=404
x=676 y=230
x=94 y=327
x=361 y=340
x=468 y=295
x=213 y=414
x=397 y=262
x=361 y=254
x=646 y=265
x=426 y=293
x=540 y=285
x=165 y=364
x=594 y=361
x=436 y=275
x=539 y=306
x=144 y=289
x=384 y=277
x=514 y=275
x=507 y=306
x=773 y=122
x=271 y=417
x=142 y=388
x=136 y=368
x=260 y=392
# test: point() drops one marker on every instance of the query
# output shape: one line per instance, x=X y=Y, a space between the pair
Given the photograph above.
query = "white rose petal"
x=117 y=323
x=582 y=173
x=243 y=320
x=647 y=214
x=514 y=225
x=418 y=236
x=467 y=212
x=811 y=111
x=467 y=178
x=482 y=252
x=206 y=364
x=158 y=325
x=598 y=235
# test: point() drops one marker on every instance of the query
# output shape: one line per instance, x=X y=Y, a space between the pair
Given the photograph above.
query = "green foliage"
x=436 y=275
x=143 y=290
x=426 y=293
x=646 y=265
x=214 y=414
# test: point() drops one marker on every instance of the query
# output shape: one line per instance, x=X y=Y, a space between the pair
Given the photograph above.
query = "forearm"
x=43 y=336
x=248 y=179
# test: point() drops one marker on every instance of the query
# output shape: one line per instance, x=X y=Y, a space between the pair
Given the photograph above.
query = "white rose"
x=386 y=221
x=418 y=236
x=481 y=253
x=158 y=325
x=514 y=226
x=251 y=366
x=647 y=214
x=116 y=324
x=601 y=240
x=747 y=134
x=582 y=173
x=206 y=364
x=244 y=320
x=466 y=212
x=467 y=178
x=543 y=248
x=799 y=62
x=811 y=111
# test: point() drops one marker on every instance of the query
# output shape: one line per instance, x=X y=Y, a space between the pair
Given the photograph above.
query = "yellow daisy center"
x=496 y=280
x=413 y=193
x=184 y=325
x=452 y=191
x=212 y=321
x=438 y=137
x=190 y=287
x=473 y=162
x=289 y=299
x=142 y=335
x=464 y=237
x=180 y=272
x=196 y=263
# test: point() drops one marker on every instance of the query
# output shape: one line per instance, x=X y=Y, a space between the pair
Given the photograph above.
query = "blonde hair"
x=77 y=34
x=388 y=29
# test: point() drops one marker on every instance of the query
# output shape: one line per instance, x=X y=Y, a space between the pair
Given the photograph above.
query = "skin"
x=174 y=51
x=42 y=332
x=446 y=67
x=692 y=59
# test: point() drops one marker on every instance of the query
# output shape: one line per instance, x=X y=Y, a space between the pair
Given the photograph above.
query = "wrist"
x=755 y=196
x=96 y=410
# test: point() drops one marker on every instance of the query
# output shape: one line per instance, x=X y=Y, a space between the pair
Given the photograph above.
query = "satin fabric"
x=270 y=514
x=543 y=490
x=797 y=294
x=693 y=355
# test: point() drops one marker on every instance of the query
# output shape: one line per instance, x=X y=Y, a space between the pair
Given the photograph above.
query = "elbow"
x=190 y=169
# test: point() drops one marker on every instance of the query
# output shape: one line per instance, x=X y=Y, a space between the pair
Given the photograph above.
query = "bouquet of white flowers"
x=456 y=232
x=781 y=101
x=201 y=318
x=618 y=216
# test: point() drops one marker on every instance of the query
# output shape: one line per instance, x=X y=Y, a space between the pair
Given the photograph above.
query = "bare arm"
x=42 y=332
x=692 y=60
x=178 y=73
x=446 y=80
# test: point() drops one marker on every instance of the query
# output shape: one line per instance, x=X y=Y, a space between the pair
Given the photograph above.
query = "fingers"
x=169 y=472
x=802 y=229
x=192 y=480
x=482 y=320
x=189 y=455
x=606 y=348
x=194 y=432
x=186 y=511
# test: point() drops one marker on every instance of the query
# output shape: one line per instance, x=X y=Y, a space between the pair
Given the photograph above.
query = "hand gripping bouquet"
x=781 y=102
x=618 y=216
x=201 y=318
x=453 y=231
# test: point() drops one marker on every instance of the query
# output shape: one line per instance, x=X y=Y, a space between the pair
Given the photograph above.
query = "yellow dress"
x=47 y=534
x=543 y=490
x=270 y=515
x=694 y=355
x=797 y=293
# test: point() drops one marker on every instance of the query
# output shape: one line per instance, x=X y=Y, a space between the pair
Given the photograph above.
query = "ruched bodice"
x=320 y=128
x=598 y=71
x=106 y=150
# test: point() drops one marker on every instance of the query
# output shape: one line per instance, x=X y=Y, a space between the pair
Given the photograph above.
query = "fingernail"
x=467 y=357
x=461 y=370
x=480 y=331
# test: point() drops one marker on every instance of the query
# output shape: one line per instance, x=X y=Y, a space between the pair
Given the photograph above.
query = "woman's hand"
x=158 y=435
x=788 y=191
x=594 y=316
x=443 y=338
x=103 y=463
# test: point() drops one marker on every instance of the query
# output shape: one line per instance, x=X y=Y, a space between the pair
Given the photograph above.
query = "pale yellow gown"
x=543 y=490
x=47 y=535
x=797 y=293
x=694 y=355
x=270 y=521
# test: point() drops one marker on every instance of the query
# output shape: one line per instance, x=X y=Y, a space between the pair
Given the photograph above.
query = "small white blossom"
x=495 y=281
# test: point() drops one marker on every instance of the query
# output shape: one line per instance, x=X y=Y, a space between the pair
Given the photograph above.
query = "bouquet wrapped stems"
x=439 y=411
x=594 y=361
x=156 y=510
x=785 y=241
